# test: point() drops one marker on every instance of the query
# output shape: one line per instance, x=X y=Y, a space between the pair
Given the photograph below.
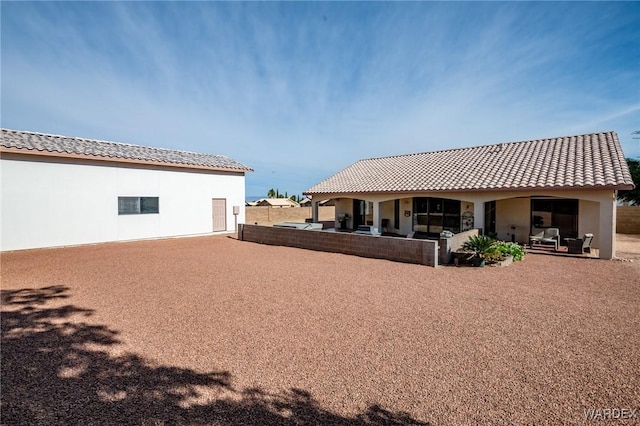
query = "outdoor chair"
x=580 y=245
x=547 y=236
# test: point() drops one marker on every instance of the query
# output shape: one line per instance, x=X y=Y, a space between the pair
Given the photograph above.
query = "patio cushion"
x=547 y=236
x=537 y=237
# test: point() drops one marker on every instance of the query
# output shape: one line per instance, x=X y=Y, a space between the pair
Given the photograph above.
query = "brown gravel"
x=211 y=330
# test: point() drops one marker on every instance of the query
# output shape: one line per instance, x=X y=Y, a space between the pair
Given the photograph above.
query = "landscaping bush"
x=510 y=249
x=481 y=245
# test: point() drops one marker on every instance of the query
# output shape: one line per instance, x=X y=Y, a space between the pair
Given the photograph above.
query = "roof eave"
x=510 y=189
x=56 y=154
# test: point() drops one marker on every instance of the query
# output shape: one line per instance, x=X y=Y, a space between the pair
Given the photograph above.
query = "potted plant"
x=481 y=246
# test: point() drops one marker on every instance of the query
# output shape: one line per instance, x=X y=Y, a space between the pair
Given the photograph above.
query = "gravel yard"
x=211 y=330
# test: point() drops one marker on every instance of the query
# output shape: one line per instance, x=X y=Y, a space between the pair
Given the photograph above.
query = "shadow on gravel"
x=55 y=370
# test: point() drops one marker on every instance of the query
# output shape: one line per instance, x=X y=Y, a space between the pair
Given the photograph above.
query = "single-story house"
x=307 y=202
x=277 y=202
x=506 y=190
x=59 y=191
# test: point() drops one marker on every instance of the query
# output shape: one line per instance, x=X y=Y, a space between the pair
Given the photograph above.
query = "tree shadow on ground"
x=56 y=370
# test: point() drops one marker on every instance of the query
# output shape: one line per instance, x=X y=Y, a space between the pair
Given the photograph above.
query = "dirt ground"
x=628 y=247
x=212 y=330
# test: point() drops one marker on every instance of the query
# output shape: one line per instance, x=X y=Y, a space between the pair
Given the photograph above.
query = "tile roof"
x=277 y=202
x=39 y=143
x=582 y=161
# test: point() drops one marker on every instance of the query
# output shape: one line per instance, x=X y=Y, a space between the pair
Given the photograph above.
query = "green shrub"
x=511 y=249
x=481 y=245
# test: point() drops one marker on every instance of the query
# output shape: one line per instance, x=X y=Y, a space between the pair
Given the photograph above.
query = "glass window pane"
x=435 y=205
x=452 y=207
x=149 y=205
x=128 y=205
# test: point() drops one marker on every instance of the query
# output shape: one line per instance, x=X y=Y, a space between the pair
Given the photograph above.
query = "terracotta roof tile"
x=584 y=161
x=45 y=143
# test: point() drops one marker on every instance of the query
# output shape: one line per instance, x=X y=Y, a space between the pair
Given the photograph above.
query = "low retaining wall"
x=628 y=220
x=447 y=245
x=423 y=252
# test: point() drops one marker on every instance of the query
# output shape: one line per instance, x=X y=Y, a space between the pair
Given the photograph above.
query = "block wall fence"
x=423 y=252
x=263 y=215
x=628 y=220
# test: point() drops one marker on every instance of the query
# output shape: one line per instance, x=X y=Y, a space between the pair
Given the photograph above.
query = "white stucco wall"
x=516 y=212
x=589 y=220
x=57 y=203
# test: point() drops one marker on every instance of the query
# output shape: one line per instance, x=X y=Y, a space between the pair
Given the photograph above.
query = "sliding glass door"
x=559 y=213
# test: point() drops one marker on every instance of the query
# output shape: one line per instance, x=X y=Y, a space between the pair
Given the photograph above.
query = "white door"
x=219 y=211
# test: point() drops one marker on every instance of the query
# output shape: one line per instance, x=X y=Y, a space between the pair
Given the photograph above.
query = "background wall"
x=269 y=215
x=48 y=204
x=628 y=221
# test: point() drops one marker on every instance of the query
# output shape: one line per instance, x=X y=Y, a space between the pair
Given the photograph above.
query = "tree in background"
x=275 y=193
x=632 y=195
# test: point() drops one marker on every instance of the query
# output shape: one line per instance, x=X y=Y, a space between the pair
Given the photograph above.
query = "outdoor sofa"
x=545 y=236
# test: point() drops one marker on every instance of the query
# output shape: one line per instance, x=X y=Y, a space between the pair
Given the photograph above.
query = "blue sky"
x=300 y=90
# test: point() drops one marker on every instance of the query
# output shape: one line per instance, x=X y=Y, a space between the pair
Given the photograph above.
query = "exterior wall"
x=386 y=212
x=628 y=220
x=513 y=211
x=447 y=245
x=423 y=252
x=69 y=202
x=406 y=222
x=344 y=206
x=269 y=215
x=589 y=220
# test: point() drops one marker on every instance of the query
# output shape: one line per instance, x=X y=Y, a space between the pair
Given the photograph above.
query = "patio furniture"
x=366 y=230
x=546 y=236
x=579 y=245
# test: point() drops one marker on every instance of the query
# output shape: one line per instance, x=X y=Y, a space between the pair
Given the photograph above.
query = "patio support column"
x=607 y=237
x=314 y=211
x=478 y=216
x=377 y=222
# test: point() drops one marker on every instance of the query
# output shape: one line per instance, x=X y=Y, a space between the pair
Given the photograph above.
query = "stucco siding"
x=386 y=212
x=48 y=204
x=513 y=212
x=589 y=220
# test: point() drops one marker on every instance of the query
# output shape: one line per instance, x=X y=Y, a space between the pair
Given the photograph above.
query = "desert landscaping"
x=211 y=330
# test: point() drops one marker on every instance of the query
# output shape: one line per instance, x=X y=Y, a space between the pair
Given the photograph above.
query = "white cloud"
x=280 y=85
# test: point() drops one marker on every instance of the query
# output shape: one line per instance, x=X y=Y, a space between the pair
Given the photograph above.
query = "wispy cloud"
x=299 y=90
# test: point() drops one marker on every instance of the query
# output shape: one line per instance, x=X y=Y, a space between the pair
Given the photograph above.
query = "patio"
x=212 y=330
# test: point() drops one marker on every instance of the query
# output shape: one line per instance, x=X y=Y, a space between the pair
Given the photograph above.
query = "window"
x=138 y=205
x=555 y=213
x=490 y=217
x=396 y=214
x=433 y=215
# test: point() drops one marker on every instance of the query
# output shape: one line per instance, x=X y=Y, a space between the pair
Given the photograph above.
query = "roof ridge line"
x=77 y=138
x=484 y=146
